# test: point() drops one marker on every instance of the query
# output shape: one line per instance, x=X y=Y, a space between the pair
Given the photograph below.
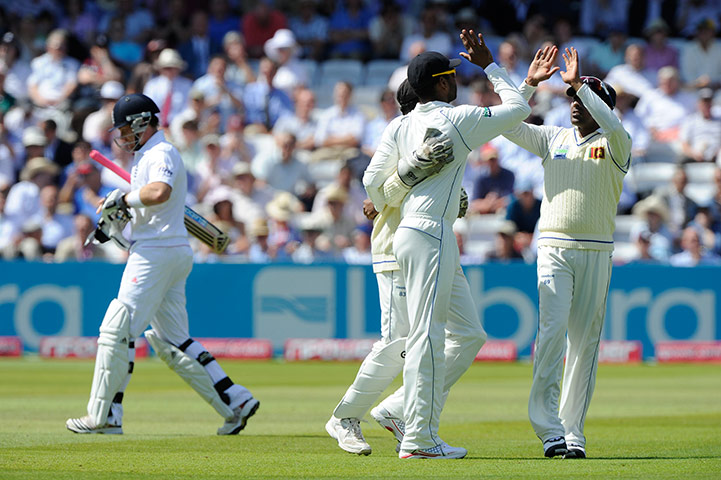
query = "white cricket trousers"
x=445 y=330
x=385 y=361
x=572 y=291
x=153 y=290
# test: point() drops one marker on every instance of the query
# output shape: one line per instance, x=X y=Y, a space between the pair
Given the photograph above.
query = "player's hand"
x=369 y=210
x=571 y=76
x=478 y=52
x=543 y=65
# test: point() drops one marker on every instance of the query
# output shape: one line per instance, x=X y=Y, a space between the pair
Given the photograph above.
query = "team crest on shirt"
x=561 y=152
x=598 y=153
x=486 y=112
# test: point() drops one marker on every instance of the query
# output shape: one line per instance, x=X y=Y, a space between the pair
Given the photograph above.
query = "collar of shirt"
x=425 y=107
x=152 y=141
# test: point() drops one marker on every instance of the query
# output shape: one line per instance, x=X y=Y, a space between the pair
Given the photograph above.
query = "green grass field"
x=646 y=421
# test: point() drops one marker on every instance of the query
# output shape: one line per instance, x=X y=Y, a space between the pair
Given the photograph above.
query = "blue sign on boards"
x=278 y=301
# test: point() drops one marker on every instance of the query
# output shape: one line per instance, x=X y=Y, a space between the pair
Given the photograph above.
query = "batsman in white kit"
x=441 y=345
x=584 y=167
x=152 y=289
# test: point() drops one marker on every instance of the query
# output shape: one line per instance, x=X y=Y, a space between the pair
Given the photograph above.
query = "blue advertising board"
x=648 y=303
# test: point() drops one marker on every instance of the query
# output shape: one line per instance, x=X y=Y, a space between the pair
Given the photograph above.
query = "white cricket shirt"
x=159 y=161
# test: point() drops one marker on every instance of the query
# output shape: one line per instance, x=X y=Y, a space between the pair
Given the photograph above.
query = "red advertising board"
x=239 y=348
x=80 y=347
x=678 y=352
x=11 y=346
x=620 y=351
x=327 y=349
x=498 y=351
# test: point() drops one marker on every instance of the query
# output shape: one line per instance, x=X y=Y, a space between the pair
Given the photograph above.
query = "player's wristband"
x=133 y=199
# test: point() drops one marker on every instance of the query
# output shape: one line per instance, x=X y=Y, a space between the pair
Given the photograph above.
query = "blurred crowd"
x=278 y=105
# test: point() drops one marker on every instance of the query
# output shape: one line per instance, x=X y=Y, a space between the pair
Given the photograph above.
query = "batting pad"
x=376 y=373
x=111 y=361
x=189 y=370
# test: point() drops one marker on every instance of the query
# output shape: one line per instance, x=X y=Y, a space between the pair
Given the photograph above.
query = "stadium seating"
x=644 y=177
x=333 y=71
x=378 y=72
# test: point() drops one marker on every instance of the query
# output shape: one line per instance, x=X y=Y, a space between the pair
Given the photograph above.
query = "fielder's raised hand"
x=543 y=65
x=478 y=52
x=571 y=76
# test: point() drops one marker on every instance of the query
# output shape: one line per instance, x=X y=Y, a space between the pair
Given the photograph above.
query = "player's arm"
x=382 y=165
x=618 y=138
x=153 y=193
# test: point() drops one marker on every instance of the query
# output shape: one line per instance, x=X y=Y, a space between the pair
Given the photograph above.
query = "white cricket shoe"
x=391 y=423
x=240 y=417
x=554 y=447
x=441 y=451
x=348 y=433
x=86 y=425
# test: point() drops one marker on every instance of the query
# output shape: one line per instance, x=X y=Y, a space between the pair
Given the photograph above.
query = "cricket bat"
x=195 y=223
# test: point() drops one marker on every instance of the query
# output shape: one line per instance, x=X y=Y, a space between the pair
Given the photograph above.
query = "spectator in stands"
x=221 y=21
x=310 y=29
x=508 y=58
x=359 y=253
x=388 y=29
x=233 y=142
x=493 y=188
x=169 y=90
x=412 y=50
x=283 y=50
x=191 y=151
x=681 y=208
x=74 y=249
x=27 y=246
x=693 y=253
x=56 y=149
x=597 y=17
x=200 y=47
x=23 y=198
x=701 y=132
x=260 y=24
x=96 y=121
x=664 y=109
x=374 y=128
x=215 y=168
x=701 y=59
x=355 y=194
x=218 y=91
x=716 y=200
x=302 y=124
x=220 y=200
x=84 y=188
x=17 y=70
x=287 y=173
x=340 y=127
x=348 y=31
x=141 y=73
x=632 y=75
x=265 y=104
x=138 y=20
x=238 y=69
x=460 y=230
x=55 y=226
x=283 y=234
x=431 y=34
x=7 y=157
x=98 y=68
x=249 y=197
x=524 y=210
x=659 y=53
x=692 y=12
x=6 y=226
x=604 y=56
x=708 y=228
x=195 y=111
x=654 y=212
x=260 y=250
x=504 y=250
x=34 y=143
x=314 y=247
x=642 y=241
x=632 y=123
x=123 y=49
x=54 y=74
x=338 y=227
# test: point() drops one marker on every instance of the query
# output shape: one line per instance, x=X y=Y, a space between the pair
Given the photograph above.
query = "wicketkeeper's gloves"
x=428 y=159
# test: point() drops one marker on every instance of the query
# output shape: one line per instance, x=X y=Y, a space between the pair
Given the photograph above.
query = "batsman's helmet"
x=135 y=110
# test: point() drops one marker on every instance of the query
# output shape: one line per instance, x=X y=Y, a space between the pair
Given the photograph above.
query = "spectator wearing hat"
x=23 y=199
x=283 y=49
x=632 y=75
x=658 y=51
x=17 y=70
x=260 y=24
x=701 y=132
x=356 y=194
x=73 y=248
x=493 y=188
x=34 y=142
x=314 y=246
x=238 y=70
x=85 y=190
x=265 y=104
x=260 y=250
x=96 y=121
x=281 y=210
x=338 y=227
x=701 y=58
x=169 y=90
x=143 y=71
x=654 y=213
x=302 y=123
x=27 y=246
x=53 y=74
x=693 y=253
x=219 y=92
x=215 y=168
x=310 y=30
x=200 y=47
x=249 y=197
x=504 y=249
x=348 y=31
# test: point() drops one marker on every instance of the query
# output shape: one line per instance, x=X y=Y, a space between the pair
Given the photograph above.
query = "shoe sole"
x=331 y=432
x=389 y=425
x=575 y=454
x=555 y=452
x=97 y=431
x=416 y=456
x=244 y=420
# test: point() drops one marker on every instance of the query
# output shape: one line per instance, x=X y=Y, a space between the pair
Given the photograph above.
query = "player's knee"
x=115 y=327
